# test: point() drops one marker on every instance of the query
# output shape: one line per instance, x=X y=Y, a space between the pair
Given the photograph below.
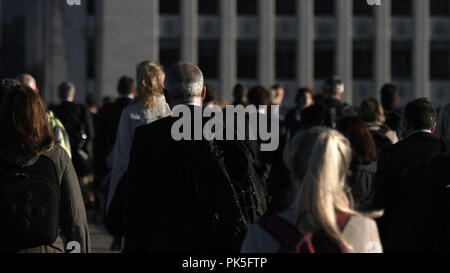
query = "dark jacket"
x=73 y=223
x=106 y=125
x=397 y=186
x=362 y=184
x=176 y=195
x=79 y=125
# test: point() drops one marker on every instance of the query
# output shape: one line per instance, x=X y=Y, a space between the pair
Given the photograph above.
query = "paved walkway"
x=101 y=240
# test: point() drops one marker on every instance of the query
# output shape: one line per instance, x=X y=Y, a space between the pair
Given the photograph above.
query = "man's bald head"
x=28 y=80
x=184 y=82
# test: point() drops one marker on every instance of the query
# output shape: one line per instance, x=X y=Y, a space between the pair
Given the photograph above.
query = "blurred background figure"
x=372 y=113
x=443 y=123
x=91 y=104
x=276 y=98
x=390 y=99
x=303 y=99
x=210 y=96
x=240 y=94
x=79 y=125
x=333 y=92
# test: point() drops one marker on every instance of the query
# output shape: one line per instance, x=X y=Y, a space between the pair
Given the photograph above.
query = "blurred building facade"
x=294 y=42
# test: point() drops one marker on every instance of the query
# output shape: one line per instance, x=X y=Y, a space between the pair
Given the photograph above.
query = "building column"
x=382 y=45
x=228 y=44
x=305 y=43
x=189 y=26
x=344 y=47
x=421 y=66
x=267 y=40
x=153 y=13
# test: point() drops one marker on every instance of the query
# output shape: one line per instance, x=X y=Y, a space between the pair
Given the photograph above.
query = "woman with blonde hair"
x=319 y=159
x=150 y=107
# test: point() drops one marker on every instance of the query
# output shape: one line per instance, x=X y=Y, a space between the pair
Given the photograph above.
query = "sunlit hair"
x=23 y=119
x=150 y=83
x=372 y=111
x=443 y=123
x=321 y=163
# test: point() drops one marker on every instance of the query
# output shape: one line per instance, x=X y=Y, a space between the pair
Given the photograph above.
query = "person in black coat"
x=333 y=93
x=77 y=121
x=397 y=184
x=107 y=122
x=176 y=195
x=361 y=179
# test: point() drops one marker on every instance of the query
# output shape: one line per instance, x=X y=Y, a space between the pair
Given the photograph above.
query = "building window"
x=361 y=8
x=90 y=7
x=401 y=60
x=324 y=59
x=285 y=59
x=169 y=7
x=247 y=62
x=208 y=7
x=324 y=7
x=286 y=7
x=247 y=7
x=363 y=57
x=440 y=61
x=208 y=55
x=90 y=58
x=401 y=7
x=440 y=7
x=169 y=52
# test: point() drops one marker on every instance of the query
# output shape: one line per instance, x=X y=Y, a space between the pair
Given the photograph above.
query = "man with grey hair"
x=178 y=197
x=333 y=93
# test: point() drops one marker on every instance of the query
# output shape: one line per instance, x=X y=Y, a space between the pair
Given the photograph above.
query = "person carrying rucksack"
x=336 y=109
x=41 y=206
x=371 y=111
x=322 y=219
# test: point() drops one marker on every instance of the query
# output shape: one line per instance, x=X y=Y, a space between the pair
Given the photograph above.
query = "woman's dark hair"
x=23 y=119
x=363 y=145
x=301 y=93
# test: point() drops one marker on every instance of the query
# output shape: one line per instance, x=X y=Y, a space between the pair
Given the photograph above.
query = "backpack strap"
x=280 y=229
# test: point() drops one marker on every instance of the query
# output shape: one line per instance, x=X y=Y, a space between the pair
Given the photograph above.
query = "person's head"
x=240 y=94
x=372 y=111
x=363 y=145
x=150 y=83
x=320 y=164
x=24 y=120
x=312 y=116
x=304 y=97
x=211 y=94
x=258 y=96
x=420 y=114
x=126 y=86
x=276 y=94
x=390 y=96
x=91 y=102
x=28 y=80
x=5 y=86
x=333 y=88
x=66 y=91
x=184 y=83
x=443 y=123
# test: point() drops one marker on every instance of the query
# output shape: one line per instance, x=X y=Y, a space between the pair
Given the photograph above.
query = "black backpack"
x=29 y=205
x=381 y=140
x=246 y=189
